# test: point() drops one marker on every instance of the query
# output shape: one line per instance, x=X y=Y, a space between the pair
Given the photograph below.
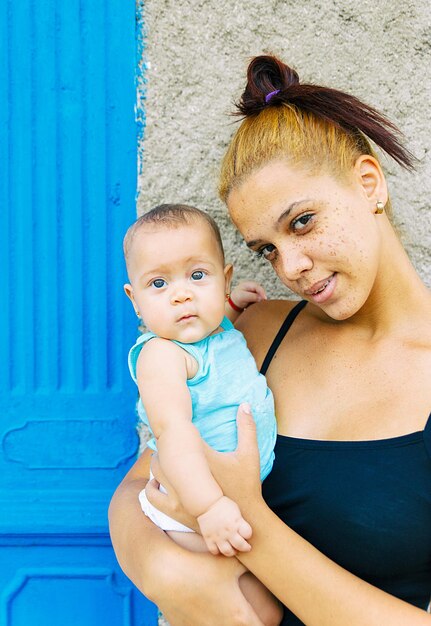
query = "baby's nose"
x=181 y=294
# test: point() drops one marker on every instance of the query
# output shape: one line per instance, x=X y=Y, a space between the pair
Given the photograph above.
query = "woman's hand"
x=238 y=472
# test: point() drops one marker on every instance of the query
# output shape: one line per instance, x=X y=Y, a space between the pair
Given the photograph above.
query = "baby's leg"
x=265 y=605
x=191 y=541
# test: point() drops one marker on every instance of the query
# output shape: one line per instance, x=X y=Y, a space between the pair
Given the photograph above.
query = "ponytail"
x=274 y=91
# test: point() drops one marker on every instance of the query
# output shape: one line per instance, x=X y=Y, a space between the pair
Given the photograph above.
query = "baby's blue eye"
x=198 y=275
x=159 y=283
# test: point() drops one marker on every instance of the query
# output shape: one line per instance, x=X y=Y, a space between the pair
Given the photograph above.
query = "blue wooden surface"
x=67 y=194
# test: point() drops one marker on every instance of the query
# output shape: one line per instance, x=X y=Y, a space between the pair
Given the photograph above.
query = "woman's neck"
x=398 y=298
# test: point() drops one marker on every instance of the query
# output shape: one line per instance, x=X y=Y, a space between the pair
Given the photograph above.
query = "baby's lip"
x=186 y=316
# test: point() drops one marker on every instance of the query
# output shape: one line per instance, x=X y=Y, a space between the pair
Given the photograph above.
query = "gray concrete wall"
x=195 y=55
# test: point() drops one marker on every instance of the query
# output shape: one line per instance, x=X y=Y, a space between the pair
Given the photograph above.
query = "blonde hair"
x=315 y=127
x=287 y=133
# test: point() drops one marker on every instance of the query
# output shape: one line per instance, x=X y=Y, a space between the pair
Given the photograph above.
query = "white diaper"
x=160 y=519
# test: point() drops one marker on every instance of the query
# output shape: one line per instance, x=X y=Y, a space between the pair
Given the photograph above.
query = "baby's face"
x=178 y=283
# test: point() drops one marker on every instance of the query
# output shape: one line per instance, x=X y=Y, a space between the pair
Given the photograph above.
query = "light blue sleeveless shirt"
x=227 y=376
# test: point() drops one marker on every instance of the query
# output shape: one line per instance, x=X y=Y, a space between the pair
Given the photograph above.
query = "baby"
x=193 y=369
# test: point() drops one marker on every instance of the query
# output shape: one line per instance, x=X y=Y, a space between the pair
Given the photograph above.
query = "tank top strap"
x=293 y=313
x=427 y=435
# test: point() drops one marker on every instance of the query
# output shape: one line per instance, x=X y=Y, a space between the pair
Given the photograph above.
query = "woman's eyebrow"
x=291 y=206
x=253 y=243
x=281 y=218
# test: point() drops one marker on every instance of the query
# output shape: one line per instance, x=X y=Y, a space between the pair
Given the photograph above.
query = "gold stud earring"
x=227 y=296
x=137 y=313
x=379 y=207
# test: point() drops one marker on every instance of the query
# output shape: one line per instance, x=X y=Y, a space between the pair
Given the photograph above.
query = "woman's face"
x=320 y=235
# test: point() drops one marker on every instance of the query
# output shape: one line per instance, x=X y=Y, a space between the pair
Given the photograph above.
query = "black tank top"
x=364 y=504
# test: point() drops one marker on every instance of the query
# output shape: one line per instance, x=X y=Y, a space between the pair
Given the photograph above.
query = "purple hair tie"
x=271 y=94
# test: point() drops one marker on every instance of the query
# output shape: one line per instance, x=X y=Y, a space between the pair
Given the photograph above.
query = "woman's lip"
x=327 y=291
x=317 y=286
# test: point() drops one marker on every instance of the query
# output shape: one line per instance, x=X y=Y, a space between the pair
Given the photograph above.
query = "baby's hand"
x=247 y=292
x=242 y=296
x=224 y=529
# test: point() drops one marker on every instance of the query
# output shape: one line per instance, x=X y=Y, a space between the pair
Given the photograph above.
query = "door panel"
x=68 y=151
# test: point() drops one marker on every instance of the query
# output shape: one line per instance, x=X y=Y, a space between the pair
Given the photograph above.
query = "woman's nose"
x=294 y=262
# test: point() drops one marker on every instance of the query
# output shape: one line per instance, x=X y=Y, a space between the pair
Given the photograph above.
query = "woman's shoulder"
x=260 y=323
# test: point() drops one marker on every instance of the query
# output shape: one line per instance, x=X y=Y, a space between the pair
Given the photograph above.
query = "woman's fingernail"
x=245 y=408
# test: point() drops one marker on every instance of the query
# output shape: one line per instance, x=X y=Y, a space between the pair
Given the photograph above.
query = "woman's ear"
x=372 y=180
x=228 y=271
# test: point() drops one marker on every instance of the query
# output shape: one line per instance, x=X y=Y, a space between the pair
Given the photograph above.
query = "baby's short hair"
x=171 y=216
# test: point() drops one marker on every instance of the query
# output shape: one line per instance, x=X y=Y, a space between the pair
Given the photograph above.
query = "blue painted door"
x=67 y=194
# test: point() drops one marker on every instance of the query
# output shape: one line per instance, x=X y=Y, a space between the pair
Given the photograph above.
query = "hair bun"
x=266 y=75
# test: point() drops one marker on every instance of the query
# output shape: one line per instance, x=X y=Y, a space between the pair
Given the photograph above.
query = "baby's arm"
x=162 y=372
x=244 y=294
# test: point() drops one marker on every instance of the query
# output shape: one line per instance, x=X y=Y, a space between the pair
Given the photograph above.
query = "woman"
x=349 y=368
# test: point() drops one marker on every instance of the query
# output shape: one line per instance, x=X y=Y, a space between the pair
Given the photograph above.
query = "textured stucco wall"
x=195 y=58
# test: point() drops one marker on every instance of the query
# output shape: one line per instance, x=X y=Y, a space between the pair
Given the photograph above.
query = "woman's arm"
x=316 y=589
x=132 y=535
x=191 y=589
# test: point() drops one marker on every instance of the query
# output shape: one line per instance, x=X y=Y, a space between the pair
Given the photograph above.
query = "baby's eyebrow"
x=152 y=272
x=200 y=260
x=165 y=269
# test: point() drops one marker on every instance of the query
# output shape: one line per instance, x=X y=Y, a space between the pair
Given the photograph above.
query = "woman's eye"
x=158 y=283
x=198 y=275
x=267 y=252
x=300 y=223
